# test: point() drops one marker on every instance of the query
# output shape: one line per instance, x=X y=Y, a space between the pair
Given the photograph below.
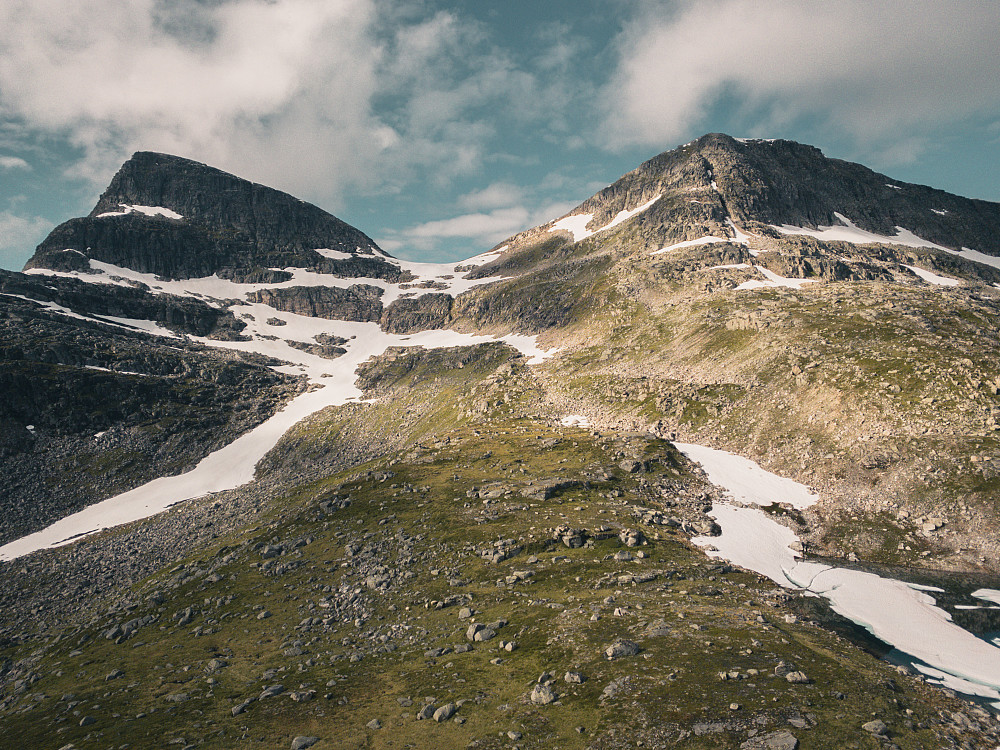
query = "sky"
x=440 y=128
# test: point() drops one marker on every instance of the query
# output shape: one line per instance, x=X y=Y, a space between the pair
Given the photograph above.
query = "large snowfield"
x=901 y=614
x=332 y=381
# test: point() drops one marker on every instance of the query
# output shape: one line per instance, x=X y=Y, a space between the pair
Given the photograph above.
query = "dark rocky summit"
x=227 y=225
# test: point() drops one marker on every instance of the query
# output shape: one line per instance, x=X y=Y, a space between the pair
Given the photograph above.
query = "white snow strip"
x=212 y=288
x=334 y=254
x=989 y=595
x=939 y=212
x=974 y=606
x=740 y=237
x=731 y=265
x=574 y=420
x=234 y=464
x=146 y=210
x=894 y=187
x=746 y=480
x=707 y=240
x=849 y=232
x=933 y=278
x=134 y=324
x=622 y=216
x=484 y=258
x=922 y=587
x=773 y=280
x=577 y=224
x=977 y=257
x=903 y=615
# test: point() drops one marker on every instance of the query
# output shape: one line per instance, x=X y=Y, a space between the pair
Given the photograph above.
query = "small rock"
x=780 y=740
x=574 y=678
x=621 y=648
x=876 y=727
x=374 y=724
x=302 y=742
x=445 y=712
x=427 y=712
x=514 y=735
x=542 y=695
x=116 y=674
x=797 y=678
x=86 y=721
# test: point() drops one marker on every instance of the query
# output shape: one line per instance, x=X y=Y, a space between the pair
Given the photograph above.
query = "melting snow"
x=989 y=595
x=746 y=480
x=773 y=280
x=849 y=232
x=146 y=210
x=708 y=240
x=333 y=381
x=334 y=254
x=574 y=420
x=900 y=614
x=577 y=224
x=933 y=278
x=146 y=326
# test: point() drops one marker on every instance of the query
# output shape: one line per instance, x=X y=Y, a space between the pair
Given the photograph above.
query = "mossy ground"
x=716 y=620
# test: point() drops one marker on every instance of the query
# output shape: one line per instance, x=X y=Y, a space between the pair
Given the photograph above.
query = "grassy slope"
x=415 y=517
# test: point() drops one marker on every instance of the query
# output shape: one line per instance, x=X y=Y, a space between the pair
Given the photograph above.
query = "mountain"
x=709 y=461
x=180 y=219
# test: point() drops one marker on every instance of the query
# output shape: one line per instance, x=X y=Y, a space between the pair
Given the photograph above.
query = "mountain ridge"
x=551 y=495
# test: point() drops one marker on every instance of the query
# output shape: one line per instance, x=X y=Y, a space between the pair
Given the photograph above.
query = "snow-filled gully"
x=900 y=614
x=332 y=383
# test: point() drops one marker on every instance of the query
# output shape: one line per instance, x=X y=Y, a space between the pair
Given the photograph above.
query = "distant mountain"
x=701 y=186
x=177 y=218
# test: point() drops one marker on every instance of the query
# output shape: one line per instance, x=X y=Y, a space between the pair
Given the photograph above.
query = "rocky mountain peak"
x=179 y=218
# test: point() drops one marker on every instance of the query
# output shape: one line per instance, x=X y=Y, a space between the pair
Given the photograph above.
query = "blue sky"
x=439 y=128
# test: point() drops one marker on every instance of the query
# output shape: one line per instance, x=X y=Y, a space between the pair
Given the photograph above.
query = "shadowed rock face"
x=418 y=314
x=360 y=302
x=228 y=224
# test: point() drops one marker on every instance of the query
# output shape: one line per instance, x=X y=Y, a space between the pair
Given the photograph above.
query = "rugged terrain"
x=489 y=542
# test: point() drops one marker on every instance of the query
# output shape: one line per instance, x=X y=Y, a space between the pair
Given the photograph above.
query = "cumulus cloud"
x=868 y=70
x=14 y=162
x=18 y=237
x=312 y=96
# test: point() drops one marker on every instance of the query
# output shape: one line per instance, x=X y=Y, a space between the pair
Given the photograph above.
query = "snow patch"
x=577 y=224
x=574 y=420
x=933 y=278
x=145 y=210
x=334 y=254
x=773 y=280
x=745 y=480
x=849 y=232
x=989 y=595
x=901 y=614
x=707 y=240
x=731 y=265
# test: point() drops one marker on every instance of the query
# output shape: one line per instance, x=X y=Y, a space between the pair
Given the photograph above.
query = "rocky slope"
x=484 y=545
x=178 y=219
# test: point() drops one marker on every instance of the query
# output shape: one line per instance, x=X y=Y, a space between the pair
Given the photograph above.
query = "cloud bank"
x=866 y=70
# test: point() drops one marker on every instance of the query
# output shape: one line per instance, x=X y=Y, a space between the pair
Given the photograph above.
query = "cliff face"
x=178 y=218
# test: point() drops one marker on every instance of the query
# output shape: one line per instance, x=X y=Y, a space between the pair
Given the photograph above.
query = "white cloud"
x=867 y=69
x=18 y=237
x=484 y=229
x=497 y=195
x=312 y=96
x=14 y=162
